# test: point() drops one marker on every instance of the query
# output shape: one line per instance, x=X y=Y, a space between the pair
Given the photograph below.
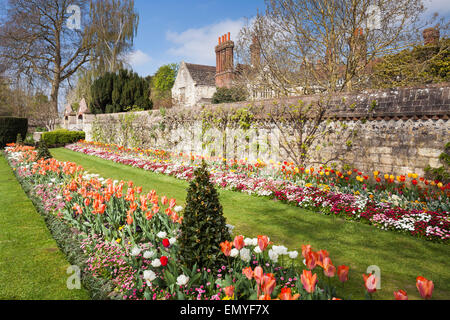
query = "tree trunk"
x=54 y=94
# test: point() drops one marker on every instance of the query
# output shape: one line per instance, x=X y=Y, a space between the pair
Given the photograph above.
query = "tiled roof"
x=202 y=75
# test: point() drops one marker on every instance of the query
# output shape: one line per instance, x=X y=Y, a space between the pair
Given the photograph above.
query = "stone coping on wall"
x=417 y=103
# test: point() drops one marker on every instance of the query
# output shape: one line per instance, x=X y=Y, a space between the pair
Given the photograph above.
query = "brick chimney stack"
x=431 y=36
x=255 y=51
x=224 y=61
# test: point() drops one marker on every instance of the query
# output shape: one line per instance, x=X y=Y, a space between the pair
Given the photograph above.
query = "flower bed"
x=366 y=205
x=131 y=239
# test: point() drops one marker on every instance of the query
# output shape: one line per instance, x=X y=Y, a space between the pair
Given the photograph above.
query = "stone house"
x=194 y=84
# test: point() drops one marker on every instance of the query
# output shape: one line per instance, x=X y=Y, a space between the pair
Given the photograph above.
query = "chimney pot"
x=229 y=36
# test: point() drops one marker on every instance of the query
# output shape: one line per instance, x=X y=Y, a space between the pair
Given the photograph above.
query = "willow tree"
x=321 y=47
x=115 y=23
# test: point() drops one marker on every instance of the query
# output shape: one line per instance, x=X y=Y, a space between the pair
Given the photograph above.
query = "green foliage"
x=442 y=173
x=42 y=150
x=234 y=94
x=204 y=226
x=62 y=137
x=10 y=127
x=19 y=139
x=163 y=80
x=115 y=92
x=422 y=64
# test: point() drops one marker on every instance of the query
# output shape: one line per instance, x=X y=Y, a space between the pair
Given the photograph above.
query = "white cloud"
x=197 y=45
x=138 y=58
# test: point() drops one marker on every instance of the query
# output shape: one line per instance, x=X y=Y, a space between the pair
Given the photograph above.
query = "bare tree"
x=321 y=47
x=307 y=46
x=37 y=41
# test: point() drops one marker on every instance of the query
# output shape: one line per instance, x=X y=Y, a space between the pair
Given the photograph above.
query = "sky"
x=172 y=31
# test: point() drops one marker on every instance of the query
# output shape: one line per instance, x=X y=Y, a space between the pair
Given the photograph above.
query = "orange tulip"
x=308 y=280
x=129 y=219
x=239 y=242
x=248 y=272
x=311 y=260
x=328 y=269
x=172 y=203
x=321 y=254
x=286 y=294
x=148 y=215
x=400 y=295
x=265 y=297
x=258 y=273
x=370 y=282
x=305 y=250
x=226 y=248
x=343 y=273
x=164 y=200
x=425 y=287
x=268 y=283
x=229 y=291
x=263 y=242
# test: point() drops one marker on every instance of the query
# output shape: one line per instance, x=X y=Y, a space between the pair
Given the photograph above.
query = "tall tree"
x=115 y=23
x=51 y=40
x=321 y=47
x=305 y=46
x=37 y=40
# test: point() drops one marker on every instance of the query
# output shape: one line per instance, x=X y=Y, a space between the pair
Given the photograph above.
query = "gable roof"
x=202 y=75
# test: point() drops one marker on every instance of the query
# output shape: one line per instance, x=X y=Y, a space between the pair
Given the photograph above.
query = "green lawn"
x=400 y=257
x=31 y=265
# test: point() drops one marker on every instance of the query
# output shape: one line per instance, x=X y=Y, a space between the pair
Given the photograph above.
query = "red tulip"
x=343 y=273
x=166 y=243
x=425 y=287
x=164 y=200
x=370 y=282
x=400 y=295
x=164 y=261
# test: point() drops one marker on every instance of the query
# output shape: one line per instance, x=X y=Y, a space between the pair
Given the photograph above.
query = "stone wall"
x=397 y=130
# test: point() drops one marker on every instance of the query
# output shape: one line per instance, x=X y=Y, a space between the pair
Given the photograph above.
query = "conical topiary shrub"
x=204 y=226
x=42 y=151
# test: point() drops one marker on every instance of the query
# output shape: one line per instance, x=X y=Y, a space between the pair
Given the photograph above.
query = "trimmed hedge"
x=10 y=127
x=62 y=137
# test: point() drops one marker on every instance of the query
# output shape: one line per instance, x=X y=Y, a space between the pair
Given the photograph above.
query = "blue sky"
x=175 y=30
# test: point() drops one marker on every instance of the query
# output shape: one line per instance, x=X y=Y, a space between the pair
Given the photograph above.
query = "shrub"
x=42 y=151
x=62 y=137
x=10 y=127
x=203 y=227
x=234 y=94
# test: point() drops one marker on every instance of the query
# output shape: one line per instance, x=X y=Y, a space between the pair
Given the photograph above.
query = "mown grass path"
x=31 y=265
x=400 y=257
